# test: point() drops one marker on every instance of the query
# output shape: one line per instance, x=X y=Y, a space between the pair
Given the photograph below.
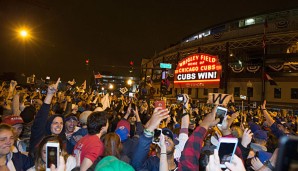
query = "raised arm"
x=39 y=124
x=190 y=156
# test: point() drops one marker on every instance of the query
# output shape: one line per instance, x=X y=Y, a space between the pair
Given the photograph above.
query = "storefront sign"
x=198 y=71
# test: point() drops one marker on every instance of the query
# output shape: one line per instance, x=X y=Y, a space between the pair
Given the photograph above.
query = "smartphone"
x=287 y=158
x=226 y=150
x=43 y=91
x=160 y=103
x=52 y=154
x=221 y=112
x=47 y=80
x=156 y=137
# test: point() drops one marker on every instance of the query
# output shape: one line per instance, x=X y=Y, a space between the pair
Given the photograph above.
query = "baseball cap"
x=260 y=134
x=70 y=116
x=254 y=127
x=123 y=133
x=12 y=120
x=125 y=123
x=168 y=132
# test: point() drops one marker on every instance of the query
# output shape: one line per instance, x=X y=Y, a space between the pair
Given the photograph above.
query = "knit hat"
x=111 y=163
x=123 y=133
x=260 y=134
x=125 y=123
x=84 y=116
x=13 y=120
x=28 y=114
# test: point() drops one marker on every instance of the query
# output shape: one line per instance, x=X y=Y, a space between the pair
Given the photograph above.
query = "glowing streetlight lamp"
x=111 y=86
x=129 y=82
x=23 y=33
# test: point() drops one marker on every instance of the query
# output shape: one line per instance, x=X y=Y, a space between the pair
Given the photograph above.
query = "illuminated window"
x=249 y=21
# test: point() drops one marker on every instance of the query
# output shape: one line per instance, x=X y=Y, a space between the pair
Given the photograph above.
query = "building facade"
x=248 y=49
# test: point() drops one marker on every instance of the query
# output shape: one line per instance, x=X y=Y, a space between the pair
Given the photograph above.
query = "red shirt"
x=90 y=146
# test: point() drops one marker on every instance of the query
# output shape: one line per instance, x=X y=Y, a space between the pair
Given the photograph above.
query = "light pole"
x=249 y=93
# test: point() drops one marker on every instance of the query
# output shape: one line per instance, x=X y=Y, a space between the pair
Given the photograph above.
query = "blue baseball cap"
x=123 y=133
x=260 y=134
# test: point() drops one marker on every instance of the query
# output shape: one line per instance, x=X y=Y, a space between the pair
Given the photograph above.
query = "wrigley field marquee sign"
x=198 y=71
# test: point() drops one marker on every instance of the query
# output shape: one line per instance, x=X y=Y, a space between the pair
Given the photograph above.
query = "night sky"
x=109 y=33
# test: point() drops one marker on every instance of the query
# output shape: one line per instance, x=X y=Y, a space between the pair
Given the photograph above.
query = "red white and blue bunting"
x=237 y=69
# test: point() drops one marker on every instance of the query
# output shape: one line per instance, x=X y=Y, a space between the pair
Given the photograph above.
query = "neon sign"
x=198 y=71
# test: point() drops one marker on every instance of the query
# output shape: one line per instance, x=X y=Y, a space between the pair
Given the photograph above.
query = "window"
x=236 y=91
x=294 y=93
x=205 y=91
x=277 y=93
x=249 y=21
x=215 y=90
x=189 y=91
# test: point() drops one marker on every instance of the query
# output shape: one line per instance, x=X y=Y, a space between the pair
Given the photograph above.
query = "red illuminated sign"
x=198 y=71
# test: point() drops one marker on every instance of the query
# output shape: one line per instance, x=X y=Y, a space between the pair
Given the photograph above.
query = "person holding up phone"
x=189 y=159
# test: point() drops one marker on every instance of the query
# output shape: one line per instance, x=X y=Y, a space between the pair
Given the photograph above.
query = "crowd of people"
x=123 y=135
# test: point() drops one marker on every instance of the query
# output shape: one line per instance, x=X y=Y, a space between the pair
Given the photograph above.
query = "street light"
x=249 y=93
x=111 y=86
x=23 y=33
x=129 y=82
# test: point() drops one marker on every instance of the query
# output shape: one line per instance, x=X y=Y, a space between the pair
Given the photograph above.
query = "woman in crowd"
x=40 y=156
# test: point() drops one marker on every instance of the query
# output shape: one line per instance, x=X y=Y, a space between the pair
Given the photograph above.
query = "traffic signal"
x=131 y=66
x=87 y=62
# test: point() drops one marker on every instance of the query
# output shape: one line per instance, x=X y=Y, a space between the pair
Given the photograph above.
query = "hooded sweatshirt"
x=41 y=127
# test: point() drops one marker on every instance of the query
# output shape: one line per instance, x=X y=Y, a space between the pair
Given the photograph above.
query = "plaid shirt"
x=190 y=155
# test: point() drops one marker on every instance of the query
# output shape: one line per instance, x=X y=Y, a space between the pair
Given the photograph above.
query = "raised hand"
x=210 y=120
x=52 y=89
x=246 y=137
x=158 y=115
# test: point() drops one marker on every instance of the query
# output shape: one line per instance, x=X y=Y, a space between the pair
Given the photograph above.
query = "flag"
x=220 y=99
x=123 y=90
x=83 y=86
x=97 y=75
x=105 y=101
x=271 y=81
